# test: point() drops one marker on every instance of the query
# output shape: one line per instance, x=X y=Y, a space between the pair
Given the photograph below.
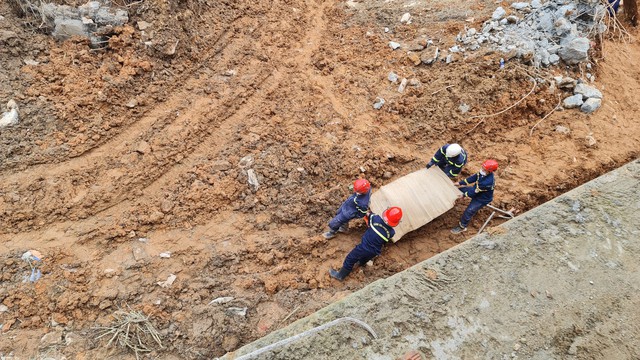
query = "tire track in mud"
x=134 y=159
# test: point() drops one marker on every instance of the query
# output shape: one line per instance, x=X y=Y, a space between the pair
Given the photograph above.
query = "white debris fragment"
x=170 y=279
x=221 y=300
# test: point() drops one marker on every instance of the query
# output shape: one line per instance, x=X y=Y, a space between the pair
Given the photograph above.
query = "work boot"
x=340 y=274
x=458 y=229
x=329 y=234
x=344 y=228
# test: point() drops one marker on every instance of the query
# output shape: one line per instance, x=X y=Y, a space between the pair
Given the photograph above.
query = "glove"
x=429 y=164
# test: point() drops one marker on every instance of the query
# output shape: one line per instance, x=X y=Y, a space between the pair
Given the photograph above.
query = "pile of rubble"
x=92 y=20
x=540 y=33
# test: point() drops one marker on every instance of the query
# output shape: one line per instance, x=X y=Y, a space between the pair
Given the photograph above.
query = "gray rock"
x=563 y=130
x=252 y=178
x=554 y=49
x=246 y=162
x=11 y=117
x=503 y=22
x=590 y=105
x=575 y=51
x=392 y=77
x=66 y=28
x=472 y=32
x=3 y=308
x=572 y=101
x=403 y=85
x=520 y=5
x=394 y=45
x=464 y=108
x=567 y=83
x=554 y=59
x=498 y=13
x=378 y=104
x=536 y=4
x=449 y=59
x=587 y=91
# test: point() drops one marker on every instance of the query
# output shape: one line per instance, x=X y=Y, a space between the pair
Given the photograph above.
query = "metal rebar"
x=486 y=222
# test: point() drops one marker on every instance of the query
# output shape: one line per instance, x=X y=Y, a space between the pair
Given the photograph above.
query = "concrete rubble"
x=91 y=20
x=540 y=33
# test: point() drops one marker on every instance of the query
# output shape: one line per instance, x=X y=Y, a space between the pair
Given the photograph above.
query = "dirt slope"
x=132 y=141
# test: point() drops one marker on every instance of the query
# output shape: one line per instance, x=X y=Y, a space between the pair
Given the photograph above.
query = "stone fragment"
x=587 y=91
x=575 y=51
x=563 y=130
x=572 y=102
x=394 y=45
x=392 y=77
x=378 y=104
x=403 y=85
x=520 y=5
x=498 y=13
x=429 y=57
x=252 y=178
x=590 y=105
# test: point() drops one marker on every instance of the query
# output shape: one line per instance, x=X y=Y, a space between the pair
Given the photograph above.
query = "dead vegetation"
x=131 y=330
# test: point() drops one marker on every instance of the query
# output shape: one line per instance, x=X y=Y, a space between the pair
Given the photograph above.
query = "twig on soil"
x=133 y=330
x=290 y=314
x=445 y=88
x=546 y=116
x=535 y=83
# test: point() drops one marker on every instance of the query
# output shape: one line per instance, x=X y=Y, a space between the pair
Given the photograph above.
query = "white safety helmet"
x=453 y=150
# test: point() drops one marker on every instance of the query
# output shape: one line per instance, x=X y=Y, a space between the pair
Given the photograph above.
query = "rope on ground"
x=546 y=116
x=535 y=83
x=308 y=333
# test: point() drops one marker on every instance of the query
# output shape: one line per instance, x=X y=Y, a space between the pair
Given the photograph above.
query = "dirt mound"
x=156 y=135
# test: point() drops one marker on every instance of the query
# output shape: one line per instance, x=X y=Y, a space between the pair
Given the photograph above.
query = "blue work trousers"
x=471 y=210
x=360 y=254
x=342 y=217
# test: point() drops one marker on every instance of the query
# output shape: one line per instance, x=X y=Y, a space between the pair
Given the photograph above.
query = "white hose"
x=307 y=333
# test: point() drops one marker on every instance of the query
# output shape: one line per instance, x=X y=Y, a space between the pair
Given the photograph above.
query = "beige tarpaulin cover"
x=423 y=195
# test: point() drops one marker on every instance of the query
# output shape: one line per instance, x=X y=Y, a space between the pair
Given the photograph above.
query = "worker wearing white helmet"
x=451 y=158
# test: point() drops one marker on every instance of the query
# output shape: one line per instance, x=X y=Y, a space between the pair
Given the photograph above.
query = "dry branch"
x=131 y=330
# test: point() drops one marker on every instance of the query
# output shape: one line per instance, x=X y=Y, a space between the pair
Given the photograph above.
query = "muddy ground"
x=135 y=141
x=559 y=282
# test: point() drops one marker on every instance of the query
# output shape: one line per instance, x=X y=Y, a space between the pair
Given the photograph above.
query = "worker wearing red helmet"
x=355 y=207
x=379 y=232
x=478 y=187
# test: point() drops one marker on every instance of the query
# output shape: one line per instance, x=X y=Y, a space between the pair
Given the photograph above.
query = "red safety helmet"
x=490 y=165
x=361 y=186
x=392 y=216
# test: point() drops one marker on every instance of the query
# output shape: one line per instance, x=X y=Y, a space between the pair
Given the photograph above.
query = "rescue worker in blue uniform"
x=355 y=207
x=478 y=187
x=379 y=232
x=451 y=158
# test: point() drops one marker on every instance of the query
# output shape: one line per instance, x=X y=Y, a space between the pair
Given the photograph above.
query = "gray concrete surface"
x=558 y=282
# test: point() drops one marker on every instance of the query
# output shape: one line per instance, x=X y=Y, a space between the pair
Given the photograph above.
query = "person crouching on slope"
x=478 y=187
x=379 y=232
x=451 y=158
x=355 y=207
